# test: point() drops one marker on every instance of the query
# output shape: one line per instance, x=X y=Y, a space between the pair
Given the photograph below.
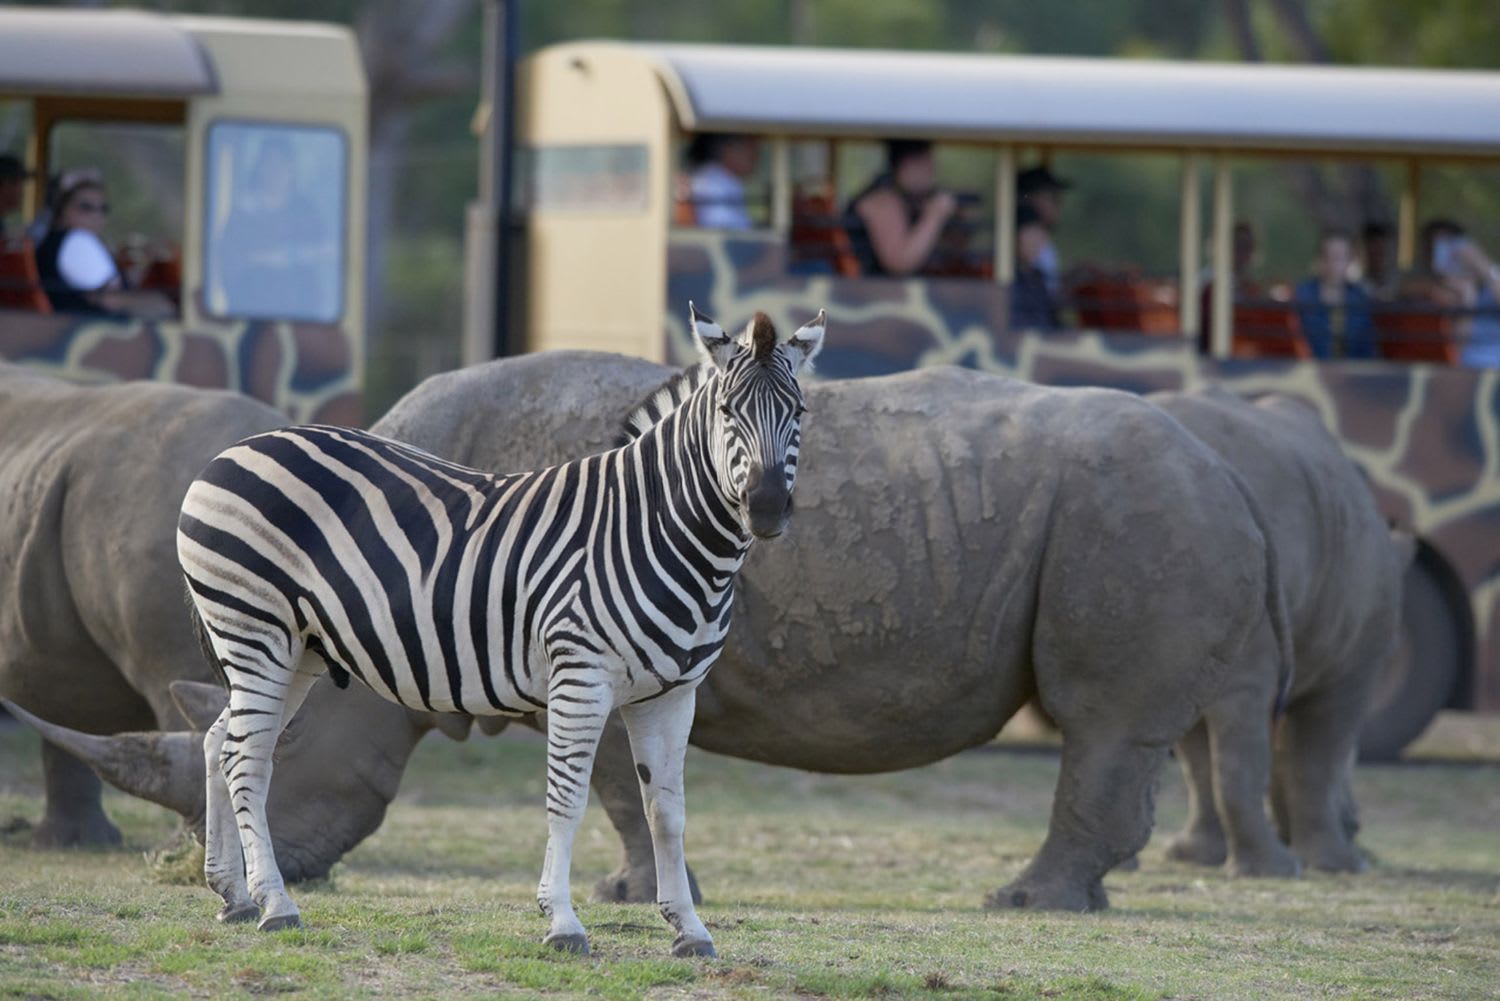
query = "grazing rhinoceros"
x=94 y=630
x=962 y=542
x=1340 y=570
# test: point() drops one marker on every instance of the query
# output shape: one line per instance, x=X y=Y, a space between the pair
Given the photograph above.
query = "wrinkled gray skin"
x=1340 y=570
x=961 y=542
x=94 y=628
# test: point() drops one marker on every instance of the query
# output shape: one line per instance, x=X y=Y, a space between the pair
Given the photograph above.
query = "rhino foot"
x=1332 y=857
x=636 y=885
x=1051 y=896
x=574 y=943
x=92 y=831
x=233 y=914
x=1198 y=848
x=1132 y=864
x=1275 y=862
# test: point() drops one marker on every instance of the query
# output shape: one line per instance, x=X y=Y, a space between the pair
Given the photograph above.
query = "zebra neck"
x=681 y=462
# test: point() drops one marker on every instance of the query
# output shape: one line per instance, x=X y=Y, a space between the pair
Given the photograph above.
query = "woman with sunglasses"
x=78 y=272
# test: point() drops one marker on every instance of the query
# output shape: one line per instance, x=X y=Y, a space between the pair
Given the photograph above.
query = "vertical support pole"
x=1221 y=308
x=1190 y=243
x=1406 y=222
x=781 y=185
x=1005 y=215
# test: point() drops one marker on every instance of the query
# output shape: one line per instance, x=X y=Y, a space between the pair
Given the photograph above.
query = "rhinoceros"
x=963 y=542
x=94 y=629
x=1340 y=569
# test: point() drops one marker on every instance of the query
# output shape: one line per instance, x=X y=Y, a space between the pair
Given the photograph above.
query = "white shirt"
x=84 y=262
x=719 y=198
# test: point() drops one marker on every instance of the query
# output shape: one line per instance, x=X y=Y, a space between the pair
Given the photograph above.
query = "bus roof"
x=131 y=53
x=1118 y=102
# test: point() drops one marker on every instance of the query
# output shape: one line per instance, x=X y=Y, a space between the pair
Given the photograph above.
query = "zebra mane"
x=663 y=400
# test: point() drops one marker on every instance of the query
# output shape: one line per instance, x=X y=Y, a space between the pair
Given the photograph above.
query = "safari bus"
x=234 y=154
x=608 y=133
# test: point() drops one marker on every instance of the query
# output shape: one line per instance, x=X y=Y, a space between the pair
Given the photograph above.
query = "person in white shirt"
x=78 y=273
x=720 y=164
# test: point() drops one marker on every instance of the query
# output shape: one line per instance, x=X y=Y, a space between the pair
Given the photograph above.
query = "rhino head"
x=338 y=766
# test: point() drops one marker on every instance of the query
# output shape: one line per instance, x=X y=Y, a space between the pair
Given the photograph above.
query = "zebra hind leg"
x=578 y=704
x=257 y=715
x=223 y=861
x=658 y=738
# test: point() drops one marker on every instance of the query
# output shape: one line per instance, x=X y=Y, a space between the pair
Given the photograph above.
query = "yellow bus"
x=232 y=154
x=605 y=207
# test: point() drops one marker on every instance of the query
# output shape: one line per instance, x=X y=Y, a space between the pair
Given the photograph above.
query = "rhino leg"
x=1239 y=731
x=75 y=814
x=1314 y=759
x=1101 y=815
x=615 y=783
x=1201 y=841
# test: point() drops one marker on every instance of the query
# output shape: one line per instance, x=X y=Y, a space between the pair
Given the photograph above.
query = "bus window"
x=583 y=179
x=141 y=168
x=960 y=176
x=1115 y=236
x=275 y=207
x=724 y=182
x=1455 y=269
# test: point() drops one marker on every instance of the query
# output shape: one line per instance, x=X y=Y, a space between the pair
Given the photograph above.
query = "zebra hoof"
x=694 y=947
x=574 y=943
x=281 y=922
x=234 y=914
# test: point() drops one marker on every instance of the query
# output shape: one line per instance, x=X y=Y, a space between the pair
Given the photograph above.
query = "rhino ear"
x=199 y=702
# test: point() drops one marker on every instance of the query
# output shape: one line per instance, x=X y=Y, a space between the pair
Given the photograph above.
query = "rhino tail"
x=1275 y=601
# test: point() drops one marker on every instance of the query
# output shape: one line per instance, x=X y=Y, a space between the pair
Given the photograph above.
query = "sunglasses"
x=91 y=207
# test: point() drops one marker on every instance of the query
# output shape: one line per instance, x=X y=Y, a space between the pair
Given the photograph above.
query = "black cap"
x=12 y=169
x=1035 y=179
x=1027 y=215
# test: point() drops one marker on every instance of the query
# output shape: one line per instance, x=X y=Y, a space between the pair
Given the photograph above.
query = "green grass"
x=817 y=887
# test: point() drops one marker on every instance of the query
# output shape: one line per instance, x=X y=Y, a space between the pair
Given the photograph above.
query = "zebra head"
x=757 y=414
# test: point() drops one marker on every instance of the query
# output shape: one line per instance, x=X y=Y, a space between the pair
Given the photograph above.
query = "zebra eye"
x=801 y=411
x=724 y=409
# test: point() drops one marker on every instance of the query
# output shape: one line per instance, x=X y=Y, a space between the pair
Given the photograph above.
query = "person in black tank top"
x=72 y=261
x=895 y=221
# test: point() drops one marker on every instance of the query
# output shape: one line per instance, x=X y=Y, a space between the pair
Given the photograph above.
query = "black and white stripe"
x=601 y=583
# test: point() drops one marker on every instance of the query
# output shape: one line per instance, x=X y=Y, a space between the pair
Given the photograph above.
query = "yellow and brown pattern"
x=1427 y=436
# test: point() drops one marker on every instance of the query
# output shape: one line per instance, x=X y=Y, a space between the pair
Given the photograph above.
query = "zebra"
x=598 y=584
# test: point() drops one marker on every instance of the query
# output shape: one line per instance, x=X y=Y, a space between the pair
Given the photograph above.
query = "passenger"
x=1379 y=274
x=895 y=222
x=78 y=273
x=1032 y=306
x=1456 y=273
x=1334 y=311
x=720 y=165
x=1042 y=190
x=13 y=175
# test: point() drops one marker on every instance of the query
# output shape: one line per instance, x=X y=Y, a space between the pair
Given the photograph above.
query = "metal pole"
x=1406 y=222
x=1221 y=307
x=1189 y=243
x=1005 y=215
x=502 y=19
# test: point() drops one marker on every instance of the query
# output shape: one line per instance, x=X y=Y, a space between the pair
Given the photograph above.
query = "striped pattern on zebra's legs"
x=658 y=742
x=223 y=861
x=579 y=700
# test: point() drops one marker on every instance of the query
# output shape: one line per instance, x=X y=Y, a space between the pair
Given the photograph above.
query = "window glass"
x=583 y=179
x=275 y=218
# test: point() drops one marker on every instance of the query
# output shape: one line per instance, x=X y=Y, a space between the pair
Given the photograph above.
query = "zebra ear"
x=713 y=344
x=803 y=346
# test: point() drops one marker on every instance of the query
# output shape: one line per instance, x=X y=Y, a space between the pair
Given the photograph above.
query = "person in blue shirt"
x=1335 y=312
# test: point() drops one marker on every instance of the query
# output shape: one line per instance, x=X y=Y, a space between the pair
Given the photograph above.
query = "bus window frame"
x=345 y=204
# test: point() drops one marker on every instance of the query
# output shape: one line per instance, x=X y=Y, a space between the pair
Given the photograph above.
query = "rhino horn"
x=200 y=702
x=163 y=767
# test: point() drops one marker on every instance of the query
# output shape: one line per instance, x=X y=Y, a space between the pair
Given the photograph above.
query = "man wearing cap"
x=1041 y=190
x=13 y=175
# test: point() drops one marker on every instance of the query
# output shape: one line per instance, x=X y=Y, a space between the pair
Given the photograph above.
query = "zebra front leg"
x=223 y=861
x=658 y=737
x=578 y=703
